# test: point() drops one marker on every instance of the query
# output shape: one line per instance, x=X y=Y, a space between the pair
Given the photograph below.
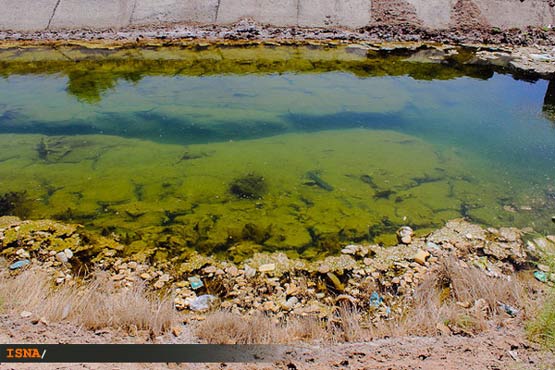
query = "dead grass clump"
x=95 y=304
x=224 y=327
x=461 y=299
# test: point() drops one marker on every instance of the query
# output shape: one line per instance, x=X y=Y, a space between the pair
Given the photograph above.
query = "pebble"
x=25 y=314
x=421 y=256
x=291 y=303
x=61 y=257
x=404 y=234
x=267 y=267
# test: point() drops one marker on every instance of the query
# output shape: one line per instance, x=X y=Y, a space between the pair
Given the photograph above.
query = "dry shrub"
x=95 y=304
x=463 y=297
x=224 y=327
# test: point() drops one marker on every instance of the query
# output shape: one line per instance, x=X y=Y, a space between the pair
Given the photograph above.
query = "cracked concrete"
x=36 y=15
x=26 y=15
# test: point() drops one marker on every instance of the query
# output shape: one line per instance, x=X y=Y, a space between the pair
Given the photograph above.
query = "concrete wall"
x=33 y=15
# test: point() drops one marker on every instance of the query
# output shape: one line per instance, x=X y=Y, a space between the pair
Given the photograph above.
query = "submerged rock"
x=251 y=186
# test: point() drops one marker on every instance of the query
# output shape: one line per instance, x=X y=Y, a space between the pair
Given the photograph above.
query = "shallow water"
x=236 y=150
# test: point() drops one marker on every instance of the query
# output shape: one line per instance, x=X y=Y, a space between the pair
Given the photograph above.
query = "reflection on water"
x=236 y=150
x=549 y=102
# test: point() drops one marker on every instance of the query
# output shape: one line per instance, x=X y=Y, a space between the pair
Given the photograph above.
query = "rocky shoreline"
x=528 y=53
x=372 y=278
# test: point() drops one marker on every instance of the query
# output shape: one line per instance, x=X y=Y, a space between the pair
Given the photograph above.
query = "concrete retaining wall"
x=34 y=15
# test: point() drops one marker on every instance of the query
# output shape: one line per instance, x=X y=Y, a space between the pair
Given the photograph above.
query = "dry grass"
x=457 y=298
x=462 y=298
x=93 y=305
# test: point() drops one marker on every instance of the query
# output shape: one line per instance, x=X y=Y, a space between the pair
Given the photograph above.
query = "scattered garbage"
x=195 y=282
x=508 y=309
x=203 y=303
x=19 y=264
x=540 y=276
x=375 y=299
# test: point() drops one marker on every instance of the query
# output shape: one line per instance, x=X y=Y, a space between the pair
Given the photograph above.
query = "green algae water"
x=231 y=151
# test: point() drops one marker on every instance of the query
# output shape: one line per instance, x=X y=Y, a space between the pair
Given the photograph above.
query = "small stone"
x=292 y=289
x=25 y=314
x=267 y=267
x=350 y=249
x=210 y=269
x=291 y=303
x=68 y=253
x=61 y=257
x=421 y=256
x=404 y=235
x=145 y=276
x=159 y=284
x=323 y=269
x=543 y=268
x=233 y=271
x=367 y=261
x=249 y=271
x=177 y=330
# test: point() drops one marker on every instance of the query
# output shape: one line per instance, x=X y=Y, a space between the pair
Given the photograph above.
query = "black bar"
x=192 y=353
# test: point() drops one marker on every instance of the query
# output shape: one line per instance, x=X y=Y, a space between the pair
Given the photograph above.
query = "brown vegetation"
x=93 y=305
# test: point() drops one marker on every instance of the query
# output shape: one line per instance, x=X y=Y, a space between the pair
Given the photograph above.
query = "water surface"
x=235 y=150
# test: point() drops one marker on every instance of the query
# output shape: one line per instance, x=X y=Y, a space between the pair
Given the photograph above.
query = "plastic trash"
x=19 y=264
x=509 y=309
x=195 y=282
x=375 y=299
x=203 y=303
x=540 y=276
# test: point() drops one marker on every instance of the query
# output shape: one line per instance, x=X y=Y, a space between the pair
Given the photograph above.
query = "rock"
x=68 y=253
x=421 y=256
x=19 y=264
x=159 y=284
x=350 y=249
x=323 y=268
x=203 y=303
x=145 y=276
x=22 y=253
x=291 y=303
x=25 y=314
x=177 y=330
x=249 y=271
x=195 y=282
x=404 y=235
x=267 y=267
x=233 y=271
x=543 y=268
x=61 y=257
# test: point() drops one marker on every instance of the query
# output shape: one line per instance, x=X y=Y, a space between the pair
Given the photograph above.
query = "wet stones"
x=251 y=186
x=404 y=235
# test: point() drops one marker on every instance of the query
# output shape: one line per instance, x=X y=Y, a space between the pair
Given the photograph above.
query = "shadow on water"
x=161 y=128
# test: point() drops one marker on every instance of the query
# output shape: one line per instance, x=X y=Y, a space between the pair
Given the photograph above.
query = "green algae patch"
x=232 y=151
